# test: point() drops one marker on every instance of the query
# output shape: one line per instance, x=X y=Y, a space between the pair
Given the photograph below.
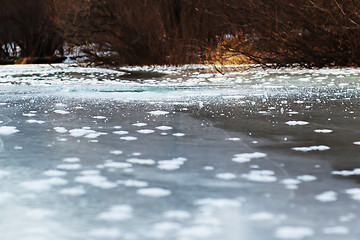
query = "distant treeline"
x=137 y=32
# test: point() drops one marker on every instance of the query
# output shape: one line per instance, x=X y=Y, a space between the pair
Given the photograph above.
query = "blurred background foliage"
x=310 y=33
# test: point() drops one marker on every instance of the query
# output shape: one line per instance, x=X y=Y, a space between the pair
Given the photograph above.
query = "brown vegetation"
x=137 y=32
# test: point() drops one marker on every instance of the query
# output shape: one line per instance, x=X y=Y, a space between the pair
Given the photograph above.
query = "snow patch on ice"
x=141 y=161
x=328 y=196
x=288 y=232
x=145 y=131
x=117 y=213
x=226 y=176
x=163 y=128
x=323 y=131
x=311 y=148
x=246 y=157
x=265 y=176
x=74 y=191
x=63 y=112
x=154 y=192
x=294 y=123
x=128 y=138
x=8 y=130
x=158 y=112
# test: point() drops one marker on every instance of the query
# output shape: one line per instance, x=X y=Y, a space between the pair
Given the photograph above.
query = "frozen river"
x=179 y=153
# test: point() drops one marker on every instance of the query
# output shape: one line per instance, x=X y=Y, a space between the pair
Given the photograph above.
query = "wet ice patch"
x=288 y=232
x=8 y=130
x=154 y=192
x=265 y=176
x=295 y=123
x=311 y=148
x=158 y=112
x=117 y=213
x=246 y=157
x=328 y=196
x=323 y=130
